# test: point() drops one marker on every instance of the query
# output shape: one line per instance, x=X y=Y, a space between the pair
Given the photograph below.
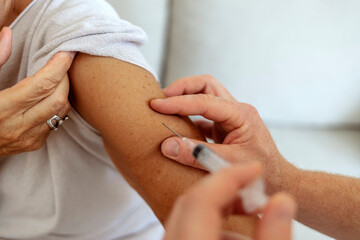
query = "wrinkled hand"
x=25 y=107
x=198 y=214
x=239 y=133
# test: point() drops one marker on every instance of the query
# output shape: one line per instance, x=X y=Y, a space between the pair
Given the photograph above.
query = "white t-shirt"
x=70 y=189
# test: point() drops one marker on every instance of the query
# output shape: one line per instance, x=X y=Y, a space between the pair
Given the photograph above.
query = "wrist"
x=282 y=177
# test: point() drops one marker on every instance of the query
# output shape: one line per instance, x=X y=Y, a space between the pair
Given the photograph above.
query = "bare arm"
x=328 y=203
x=113 y=96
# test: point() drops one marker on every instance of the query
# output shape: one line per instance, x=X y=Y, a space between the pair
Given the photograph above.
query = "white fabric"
x=296 y=61
x=152 y=16
x=70 y=189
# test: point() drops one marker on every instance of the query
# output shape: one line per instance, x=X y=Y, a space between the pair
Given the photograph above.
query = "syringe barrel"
x=253 y=196
x=209 y=159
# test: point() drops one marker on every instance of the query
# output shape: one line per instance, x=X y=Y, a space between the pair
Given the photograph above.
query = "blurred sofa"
x=297 y=62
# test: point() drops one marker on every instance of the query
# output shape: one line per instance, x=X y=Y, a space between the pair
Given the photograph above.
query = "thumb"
x=277 y=220
x=5 y=45
x=50 y=76
x=176 y=149
x=47 y=79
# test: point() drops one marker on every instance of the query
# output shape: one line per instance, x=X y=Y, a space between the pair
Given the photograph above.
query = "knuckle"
x=207 y=97
x=211 y=81
x=12 y=136
x=250 y=109
x=209 y=77
x=28 y=144
x=185 y=156
x=206 y=102
x=47 y=84
x=60 y=103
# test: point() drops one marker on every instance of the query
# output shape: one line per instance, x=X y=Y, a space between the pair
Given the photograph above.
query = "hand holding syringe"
x=253 y=196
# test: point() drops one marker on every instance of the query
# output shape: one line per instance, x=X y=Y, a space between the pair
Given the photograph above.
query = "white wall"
x=297 y=61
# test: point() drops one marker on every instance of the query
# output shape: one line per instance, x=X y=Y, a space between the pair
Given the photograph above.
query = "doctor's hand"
x=239 y=133
x=26 y=106
x=198 y=214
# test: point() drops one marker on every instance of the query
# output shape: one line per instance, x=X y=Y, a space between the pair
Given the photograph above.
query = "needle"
x=172 y=130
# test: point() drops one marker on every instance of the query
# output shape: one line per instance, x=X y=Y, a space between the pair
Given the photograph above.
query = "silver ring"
x=58 y=122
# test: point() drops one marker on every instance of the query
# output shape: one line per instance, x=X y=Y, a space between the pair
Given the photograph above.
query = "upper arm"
x=113 y=96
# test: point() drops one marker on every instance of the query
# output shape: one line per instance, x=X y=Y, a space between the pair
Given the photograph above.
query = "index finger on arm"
x=228 y=113
x=197 y=84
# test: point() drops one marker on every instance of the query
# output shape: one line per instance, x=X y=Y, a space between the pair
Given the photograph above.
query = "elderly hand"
x=242 y=135
x=25 y=107
x=199 y=213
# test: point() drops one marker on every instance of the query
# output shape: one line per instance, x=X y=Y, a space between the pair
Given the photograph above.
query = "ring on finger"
x=58 y=122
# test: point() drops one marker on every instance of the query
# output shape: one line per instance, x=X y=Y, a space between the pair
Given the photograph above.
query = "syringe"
x=253 y=196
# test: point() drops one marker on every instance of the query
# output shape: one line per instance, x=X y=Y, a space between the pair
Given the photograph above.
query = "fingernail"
x=171 y=148
x=73 y=54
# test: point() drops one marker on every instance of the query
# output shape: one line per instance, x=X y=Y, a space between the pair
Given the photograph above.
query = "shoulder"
x=91 y=27
x=85 y=17
x=63 y=12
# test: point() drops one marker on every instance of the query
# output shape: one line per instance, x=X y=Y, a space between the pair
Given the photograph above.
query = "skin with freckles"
x=114 y=96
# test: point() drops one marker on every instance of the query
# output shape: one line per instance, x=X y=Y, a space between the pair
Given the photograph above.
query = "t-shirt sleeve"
x=91 y=27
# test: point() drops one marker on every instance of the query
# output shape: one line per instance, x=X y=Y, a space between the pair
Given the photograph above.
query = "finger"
x=205 y=128
x=45 y=128
x=198 y=84
x=229 y=114
x=211 y=130
x=55 y=104
x=277 y=220
x=5 y=45
x=31 y=140
x=203 y=205
x=45 y=81
x=218 y=191
x=176 y=149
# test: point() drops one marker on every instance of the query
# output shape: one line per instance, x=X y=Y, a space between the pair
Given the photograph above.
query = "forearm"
x=326 y=202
